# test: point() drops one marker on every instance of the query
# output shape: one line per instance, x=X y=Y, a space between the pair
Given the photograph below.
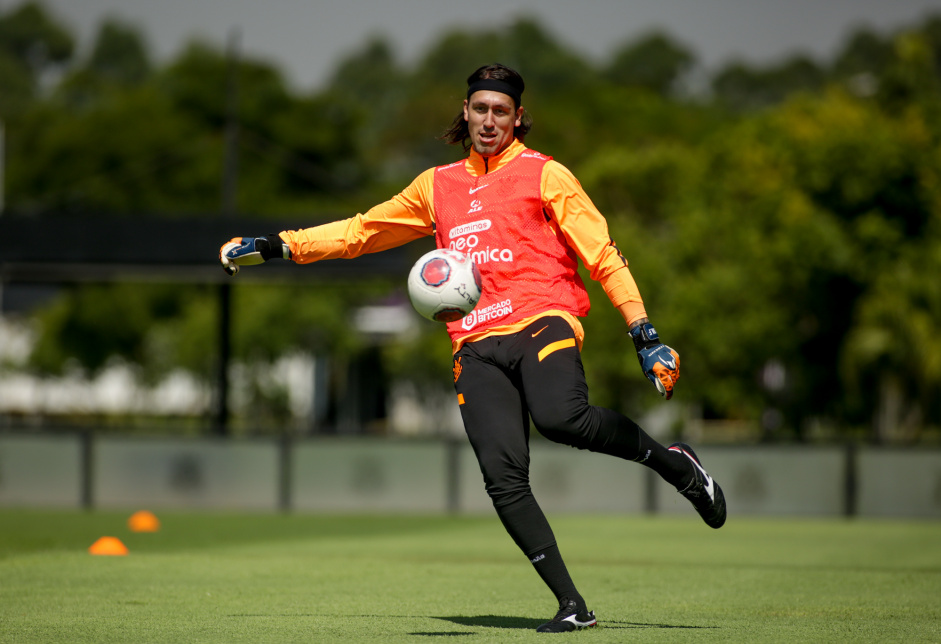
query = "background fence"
x=430 y=476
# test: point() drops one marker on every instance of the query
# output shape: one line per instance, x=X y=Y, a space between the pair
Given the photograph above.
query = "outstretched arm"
x=405 y=217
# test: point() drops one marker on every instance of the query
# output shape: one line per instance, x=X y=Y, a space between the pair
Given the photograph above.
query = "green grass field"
x=262 y=578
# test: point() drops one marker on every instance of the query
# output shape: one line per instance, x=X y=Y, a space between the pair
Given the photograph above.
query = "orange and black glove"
x=660 y=363
x=246 y=251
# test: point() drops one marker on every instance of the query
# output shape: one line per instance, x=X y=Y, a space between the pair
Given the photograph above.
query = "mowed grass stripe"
x=271 y=578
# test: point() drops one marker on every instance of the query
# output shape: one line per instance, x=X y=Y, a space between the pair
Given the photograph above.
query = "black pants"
x=502 y=382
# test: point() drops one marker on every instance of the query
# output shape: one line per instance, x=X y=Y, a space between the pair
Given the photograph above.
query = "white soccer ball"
x=444 y=285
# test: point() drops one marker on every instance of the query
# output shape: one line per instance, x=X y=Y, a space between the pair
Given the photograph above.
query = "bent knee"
x=568 y=431
x=560 y=416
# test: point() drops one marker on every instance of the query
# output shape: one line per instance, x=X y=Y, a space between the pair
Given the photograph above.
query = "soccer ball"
x=444 y=285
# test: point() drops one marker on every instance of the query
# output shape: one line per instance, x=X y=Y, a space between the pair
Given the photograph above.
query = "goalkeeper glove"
x=660 y=363
x=246 y=251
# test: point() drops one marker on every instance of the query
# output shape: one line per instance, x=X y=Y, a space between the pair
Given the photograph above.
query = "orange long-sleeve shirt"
x=409 y=215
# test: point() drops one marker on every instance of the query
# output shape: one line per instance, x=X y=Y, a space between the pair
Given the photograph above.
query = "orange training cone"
x=143 y=521
x=108 y=546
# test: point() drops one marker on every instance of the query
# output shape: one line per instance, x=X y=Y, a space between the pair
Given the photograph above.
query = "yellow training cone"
x=143 y=521
x=108 y=546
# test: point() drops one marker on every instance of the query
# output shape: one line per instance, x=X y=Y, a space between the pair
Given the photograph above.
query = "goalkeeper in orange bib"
x=517 y=355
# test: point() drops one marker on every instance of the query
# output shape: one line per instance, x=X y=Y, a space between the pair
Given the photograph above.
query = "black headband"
x=495 y=85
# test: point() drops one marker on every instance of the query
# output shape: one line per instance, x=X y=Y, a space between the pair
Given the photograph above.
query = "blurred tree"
x=314 y=140
x=551 y=70
x=654 y=62
x=455 y=54
x=197 y=83
x=370 y=76
x=779 y=229
x=930 y=30
x=362 y=101
x=31 y=44
x=272 y=321
x=120 y=54
x=744 y=87
x=912 y=77
x=90 y=325
x=31 y=36
x=107 y=161
x=862 y=61
x=892 y=361
x=118 y=62
x=17 y=86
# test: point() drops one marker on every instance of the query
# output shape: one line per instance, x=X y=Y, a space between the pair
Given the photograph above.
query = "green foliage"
x=34 y=38
x=203 y=82
x=166 y=165
x=17 y=86
x=120 y=54
x=370 y=77
x=31 y=42
x=865 y=53
x=743 y=87
x=775 y=231
x=273 y=320
x=79 y=330
x=894 y=349
x=321 y=158
x=912 y=77
x=654 y=62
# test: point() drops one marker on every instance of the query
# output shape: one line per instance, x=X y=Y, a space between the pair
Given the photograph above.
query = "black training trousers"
x=502 y=382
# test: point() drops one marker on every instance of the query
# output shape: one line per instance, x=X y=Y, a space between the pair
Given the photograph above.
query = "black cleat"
x=703 y=492
x=571 y=617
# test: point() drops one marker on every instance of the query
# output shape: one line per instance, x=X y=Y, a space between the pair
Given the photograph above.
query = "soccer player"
x=517 y=356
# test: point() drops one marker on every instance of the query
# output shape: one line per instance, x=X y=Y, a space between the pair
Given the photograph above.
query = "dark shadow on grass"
x=489 y=621
x=616 y=624
x=495 y=621
x=505 y=621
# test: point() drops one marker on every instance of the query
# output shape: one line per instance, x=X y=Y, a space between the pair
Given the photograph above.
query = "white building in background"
x=118 y=390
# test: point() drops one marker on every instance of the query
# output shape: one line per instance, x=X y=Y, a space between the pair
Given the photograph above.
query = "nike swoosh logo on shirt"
x=540 y=330
x=473 y=190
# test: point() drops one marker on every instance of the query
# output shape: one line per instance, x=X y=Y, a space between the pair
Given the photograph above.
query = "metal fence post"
x=87 y=451
x=453 y=475
x=851 y=481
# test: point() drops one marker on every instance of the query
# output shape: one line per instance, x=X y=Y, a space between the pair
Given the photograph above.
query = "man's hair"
x=458 y=132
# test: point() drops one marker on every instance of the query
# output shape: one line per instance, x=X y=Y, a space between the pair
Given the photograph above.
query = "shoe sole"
x=569 y=620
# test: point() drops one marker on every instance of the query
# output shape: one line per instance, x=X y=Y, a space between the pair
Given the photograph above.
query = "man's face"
x=491 y=119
